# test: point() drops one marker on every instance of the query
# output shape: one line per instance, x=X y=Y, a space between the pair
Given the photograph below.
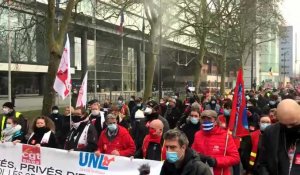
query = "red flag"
x=238 y=123
x=62 y=83
x=122 y=19
x=82 y=95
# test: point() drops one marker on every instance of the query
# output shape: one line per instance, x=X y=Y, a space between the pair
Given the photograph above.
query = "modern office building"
x=289 y=50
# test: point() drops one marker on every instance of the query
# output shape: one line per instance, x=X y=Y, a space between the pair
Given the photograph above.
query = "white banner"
x=30 y=160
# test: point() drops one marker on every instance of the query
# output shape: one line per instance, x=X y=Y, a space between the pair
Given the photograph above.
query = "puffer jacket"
x=122 y=142
x=212 y=143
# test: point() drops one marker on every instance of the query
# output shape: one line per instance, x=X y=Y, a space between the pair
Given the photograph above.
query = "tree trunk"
x=223 y=72
x=198 y=67
x=49 y=93
x=150 y=69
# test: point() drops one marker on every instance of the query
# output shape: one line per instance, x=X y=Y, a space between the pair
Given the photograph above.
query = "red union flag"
x=62 y=83
x=238 y=123
x=82 y=95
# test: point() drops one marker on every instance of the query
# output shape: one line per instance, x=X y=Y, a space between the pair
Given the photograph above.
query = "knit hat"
x=10 y=105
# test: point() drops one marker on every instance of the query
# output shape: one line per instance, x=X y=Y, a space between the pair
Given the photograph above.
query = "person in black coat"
x=83 y=135
x=181 y=160
x=43 y=134
x=192 y=125
x=172 y=114
x=280 y=147
x=58 y=120
x=97 y=117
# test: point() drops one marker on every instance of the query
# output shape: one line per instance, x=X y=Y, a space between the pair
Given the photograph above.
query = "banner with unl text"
x=30 y=160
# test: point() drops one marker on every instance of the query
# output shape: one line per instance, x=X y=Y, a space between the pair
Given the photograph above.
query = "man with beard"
x=83 y=135
x=141 y=130
x=280 y=151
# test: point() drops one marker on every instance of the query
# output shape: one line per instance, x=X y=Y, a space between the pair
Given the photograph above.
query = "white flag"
x=82 y=95
x=62 y=83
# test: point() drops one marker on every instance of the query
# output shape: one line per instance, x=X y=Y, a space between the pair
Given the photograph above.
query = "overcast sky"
x=291 y=12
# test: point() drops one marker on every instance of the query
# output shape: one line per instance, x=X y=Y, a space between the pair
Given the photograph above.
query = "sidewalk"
x=33 y=103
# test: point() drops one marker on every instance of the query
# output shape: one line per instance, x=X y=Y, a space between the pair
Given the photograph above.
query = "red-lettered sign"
x=31 y=154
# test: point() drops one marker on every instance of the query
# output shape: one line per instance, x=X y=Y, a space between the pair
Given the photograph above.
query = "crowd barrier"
x=22 y=159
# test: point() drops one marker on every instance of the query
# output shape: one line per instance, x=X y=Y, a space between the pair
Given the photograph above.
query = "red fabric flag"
x=238 y=123
x=122 y=19
x=82 y=95
x=62 y=83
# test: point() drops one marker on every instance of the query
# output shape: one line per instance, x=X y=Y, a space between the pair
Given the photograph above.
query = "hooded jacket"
x=191 y=165
x=212 y=143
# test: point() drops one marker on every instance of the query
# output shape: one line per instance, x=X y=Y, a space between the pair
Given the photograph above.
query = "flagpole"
x=70 y=107
x=9 y=51
x=122 y=62
x=95 y=49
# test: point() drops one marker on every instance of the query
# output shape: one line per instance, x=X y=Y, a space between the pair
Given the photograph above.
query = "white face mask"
x=5 y=110
x=148 y=110
x=55 y=111
x=95 y=112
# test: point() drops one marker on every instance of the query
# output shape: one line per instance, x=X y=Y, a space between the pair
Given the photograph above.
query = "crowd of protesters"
x=191 y=135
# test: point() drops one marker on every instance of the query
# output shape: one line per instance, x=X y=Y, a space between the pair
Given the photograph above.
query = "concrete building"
x=289 y=55
x=30 y=53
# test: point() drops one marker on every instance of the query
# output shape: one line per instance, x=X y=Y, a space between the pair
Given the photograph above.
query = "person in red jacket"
x=210 y=143
x=153 y=144
x=115 y=139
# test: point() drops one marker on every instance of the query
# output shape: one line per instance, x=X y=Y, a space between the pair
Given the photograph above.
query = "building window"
x=77 y=52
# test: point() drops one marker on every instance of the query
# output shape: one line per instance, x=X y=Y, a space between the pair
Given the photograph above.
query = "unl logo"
x=92 y=161
x=31 y=154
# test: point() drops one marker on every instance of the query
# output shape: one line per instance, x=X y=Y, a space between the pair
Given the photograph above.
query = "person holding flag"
x=238 y=122
x=83 y=135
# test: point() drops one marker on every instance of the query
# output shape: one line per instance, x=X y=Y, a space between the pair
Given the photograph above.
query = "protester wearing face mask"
x=213 y=105
x=43 y=134
x=123 y=108
x=280 y=150
x=192 y=125
x=131 y=103
x=180 y=159
x=9 y=111
x=115 y=139
x=83 y=135
x=224 y=118
x=58 y=120
x=210 y=143
x=138 y=106
x=273 y=101
x=173 y=113
x=97 y=117
x=12 y=131
x=141 y=128
x=152 y=148
x=252 y=146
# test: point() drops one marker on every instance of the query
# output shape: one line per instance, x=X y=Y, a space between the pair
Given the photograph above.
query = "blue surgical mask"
x=112 y=127
x=226 y=112
x=207 y=125
x=263 y=126
x=172 y=157
x=194 y=120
